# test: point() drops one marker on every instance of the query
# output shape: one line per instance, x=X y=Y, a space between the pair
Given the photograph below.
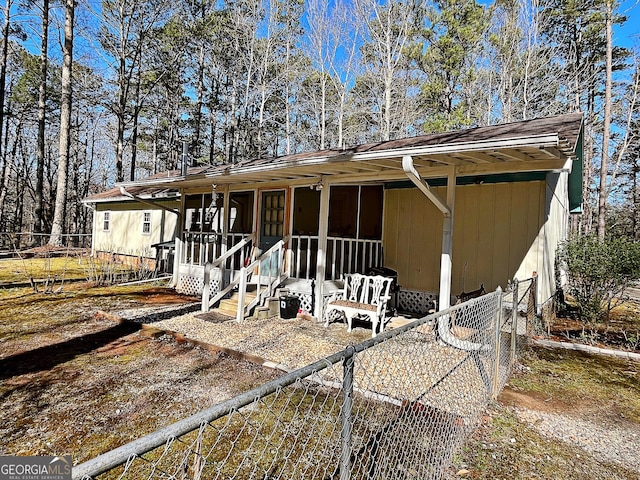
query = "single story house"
x=444 y=213
x=137 y=226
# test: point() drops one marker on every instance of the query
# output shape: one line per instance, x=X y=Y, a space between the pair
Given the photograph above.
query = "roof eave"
x=550 y=141
x=122 y=198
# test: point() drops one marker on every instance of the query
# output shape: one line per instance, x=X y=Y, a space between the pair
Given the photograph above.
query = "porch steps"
x=270 y=309
x=229 y=306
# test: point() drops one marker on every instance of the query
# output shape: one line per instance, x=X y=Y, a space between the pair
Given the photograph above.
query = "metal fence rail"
x=20 y=240
x=395 y=406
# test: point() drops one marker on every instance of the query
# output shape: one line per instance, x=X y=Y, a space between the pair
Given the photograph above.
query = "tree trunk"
x=134 y=135
x=602 y=196
x=6 y=30
x=323 y=112
x=21 y=185
x=6 y=172
x=195 y=146
x=287 y=103
x=122 y=111
x=42 y=110
x=636 y=201
x=386 y=126
x=65 y=125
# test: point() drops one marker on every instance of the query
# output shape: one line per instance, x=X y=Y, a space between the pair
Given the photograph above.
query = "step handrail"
x=207 y=301
x=246 y=240
x=260 y=295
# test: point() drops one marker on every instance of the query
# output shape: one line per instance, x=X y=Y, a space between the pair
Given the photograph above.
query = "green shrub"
x=598 y=272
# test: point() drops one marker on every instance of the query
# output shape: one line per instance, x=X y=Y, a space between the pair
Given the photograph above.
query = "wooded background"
x=96 y=92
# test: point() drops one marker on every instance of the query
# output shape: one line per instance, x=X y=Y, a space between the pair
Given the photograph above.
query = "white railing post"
x=242 y=288
x=280 y=261
x=307 y=272
x=206 y=288
x=271 y=269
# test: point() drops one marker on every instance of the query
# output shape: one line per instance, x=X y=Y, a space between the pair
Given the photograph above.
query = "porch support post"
x=323 y=227
x=444 y=299
x=178 y=240
x=225 y=219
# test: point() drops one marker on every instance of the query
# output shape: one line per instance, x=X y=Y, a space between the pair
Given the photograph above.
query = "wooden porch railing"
x=344 y=256
x=200 y=248
x=268 y=272
x=258 y=268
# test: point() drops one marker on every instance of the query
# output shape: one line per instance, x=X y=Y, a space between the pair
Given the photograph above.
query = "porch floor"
x=292 y=343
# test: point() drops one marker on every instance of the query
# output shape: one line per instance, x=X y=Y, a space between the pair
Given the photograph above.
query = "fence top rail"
x=120 y=455
x=46 y=234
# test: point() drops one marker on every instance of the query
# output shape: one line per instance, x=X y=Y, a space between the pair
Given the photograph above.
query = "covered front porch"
x=447 y=212
x=271 y=237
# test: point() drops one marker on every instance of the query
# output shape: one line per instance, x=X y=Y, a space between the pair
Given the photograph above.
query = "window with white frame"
x=106 y=221
x=146 y=223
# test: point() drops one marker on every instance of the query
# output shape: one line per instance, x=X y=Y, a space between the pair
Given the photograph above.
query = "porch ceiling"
x=533 y=145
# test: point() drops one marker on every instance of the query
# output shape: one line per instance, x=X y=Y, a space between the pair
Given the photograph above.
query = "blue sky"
x=629 y=34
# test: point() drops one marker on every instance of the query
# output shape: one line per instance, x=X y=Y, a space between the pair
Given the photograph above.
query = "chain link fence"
x=395 y=406
x=21 y=240
x=518 y=316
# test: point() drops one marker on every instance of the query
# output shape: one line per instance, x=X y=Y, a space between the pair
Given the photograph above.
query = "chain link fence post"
x=347 y=407
x=514 y=319
x=498 y=324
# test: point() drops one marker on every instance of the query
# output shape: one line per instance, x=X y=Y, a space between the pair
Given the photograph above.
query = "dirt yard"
x=77 y=382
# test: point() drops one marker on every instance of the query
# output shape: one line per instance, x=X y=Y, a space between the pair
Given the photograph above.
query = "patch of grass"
x=504 y=448
x=65 y=268
x=605 y=383
x=19 y=271
x=24 y=313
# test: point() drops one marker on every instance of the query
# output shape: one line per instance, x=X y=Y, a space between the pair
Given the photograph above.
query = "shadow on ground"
x=45 y=358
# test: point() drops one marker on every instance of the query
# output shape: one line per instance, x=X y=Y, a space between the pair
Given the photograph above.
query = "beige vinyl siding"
x=125 y=235
x=496 y=235
x=555 y=230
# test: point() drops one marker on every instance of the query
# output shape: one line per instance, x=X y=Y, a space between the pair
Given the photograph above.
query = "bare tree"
x=604 y=162
x=42 y=112
x=6 y=31
x=125 y=30
x=65 y=125
x=333 y=39
x=388 y=27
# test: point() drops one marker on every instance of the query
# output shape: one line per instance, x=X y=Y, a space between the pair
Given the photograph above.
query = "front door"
x=272 y=219
x=271 y=230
